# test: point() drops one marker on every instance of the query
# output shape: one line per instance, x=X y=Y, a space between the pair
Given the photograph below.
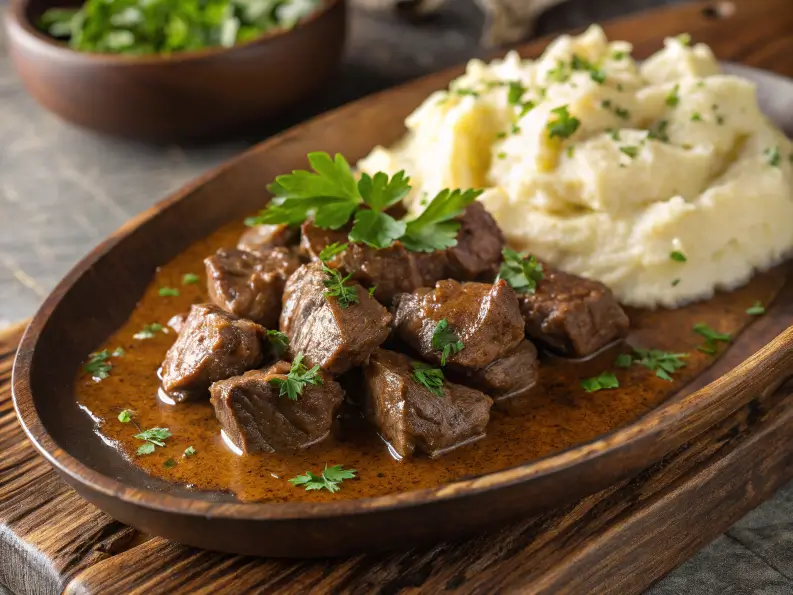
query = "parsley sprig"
x=429 y=377
x=565 y=125
x=445 y=340
x=278 y=343
x=153 y=438
x=712 y=338
x=331 y=250
x=297 y=379
x=329 y=479
x=331 y=194
x=602 y=381
x=663 y=363
x=756 y=309
x=345 y=295
x=98 y=365
x=595 y=73
x=522 y=272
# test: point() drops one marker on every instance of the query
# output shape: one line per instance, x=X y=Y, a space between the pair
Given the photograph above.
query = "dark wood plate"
x=97 y=296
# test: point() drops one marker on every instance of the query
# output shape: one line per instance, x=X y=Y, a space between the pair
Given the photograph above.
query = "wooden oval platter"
x=586 y=444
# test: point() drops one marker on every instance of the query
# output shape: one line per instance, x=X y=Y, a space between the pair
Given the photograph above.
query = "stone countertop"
x=63 y=190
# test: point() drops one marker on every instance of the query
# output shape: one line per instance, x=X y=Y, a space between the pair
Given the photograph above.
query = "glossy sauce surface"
x=558 y=414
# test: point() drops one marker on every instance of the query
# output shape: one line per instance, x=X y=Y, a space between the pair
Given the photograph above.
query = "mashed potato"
x=612 y=170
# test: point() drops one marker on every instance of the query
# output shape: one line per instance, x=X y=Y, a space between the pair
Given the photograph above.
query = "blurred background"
x=63 y=189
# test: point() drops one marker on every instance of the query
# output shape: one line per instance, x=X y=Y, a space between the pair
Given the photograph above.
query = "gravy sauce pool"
x=559 y=413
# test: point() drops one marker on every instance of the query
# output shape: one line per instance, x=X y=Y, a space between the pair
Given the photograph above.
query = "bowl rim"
x=761 y=372
x=16 y=17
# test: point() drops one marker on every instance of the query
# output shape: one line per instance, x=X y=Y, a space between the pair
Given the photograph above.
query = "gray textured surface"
x=62 y=190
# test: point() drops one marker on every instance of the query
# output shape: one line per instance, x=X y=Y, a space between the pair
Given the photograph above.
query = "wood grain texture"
x=602 y=542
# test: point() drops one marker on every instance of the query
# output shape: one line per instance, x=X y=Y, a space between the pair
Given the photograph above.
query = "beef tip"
x=257 y=419
x=572 y=315
x=409 y=416
x=479 y=244
x=508 y=377
x=392 y=270
x=262 y=237
x=212 y=345
x=250 y=284
x=322 y=330
x=485 y=317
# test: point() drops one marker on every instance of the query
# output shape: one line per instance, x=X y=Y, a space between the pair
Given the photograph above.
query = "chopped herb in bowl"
x=139 y=27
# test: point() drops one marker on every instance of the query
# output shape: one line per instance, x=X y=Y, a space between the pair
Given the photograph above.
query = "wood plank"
x=616 y=541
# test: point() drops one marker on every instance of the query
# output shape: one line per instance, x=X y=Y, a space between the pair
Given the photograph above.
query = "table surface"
x=63 y=190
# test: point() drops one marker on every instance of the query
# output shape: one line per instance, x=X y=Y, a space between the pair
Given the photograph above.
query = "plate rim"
x=763 y=371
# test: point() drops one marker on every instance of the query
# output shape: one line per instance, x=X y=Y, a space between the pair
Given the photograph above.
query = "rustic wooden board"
x=617 y=541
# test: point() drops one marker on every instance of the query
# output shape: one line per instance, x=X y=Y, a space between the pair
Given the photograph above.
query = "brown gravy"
x=558 y=415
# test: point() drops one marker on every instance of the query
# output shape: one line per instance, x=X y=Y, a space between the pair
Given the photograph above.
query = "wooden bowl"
x=183 y=97
x=97 y=296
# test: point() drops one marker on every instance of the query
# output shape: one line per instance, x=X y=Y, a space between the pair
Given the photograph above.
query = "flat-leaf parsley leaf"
x=153 y=438
x=521 y=272
x=600 y=382
x=148 y=331
x=445 y=340
x=435 y=228
x=565 y=125
x=345 y=295
x=296 y=380
x=429 y=377
x=757 y=309
x=329 y=479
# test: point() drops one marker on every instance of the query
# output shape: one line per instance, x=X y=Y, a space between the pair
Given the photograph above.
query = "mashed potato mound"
x=668 y=158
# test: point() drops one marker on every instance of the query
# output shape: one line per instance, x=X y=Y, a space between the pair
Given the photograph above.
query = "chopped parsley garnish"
x=559 y=74
x=720 y=120
x=600 y=382
x=515 y=129
x=773 y=156
x=445 y=340
x=663 y=363
x=684 y=39
x=189 y=451
x=606 y=104
x=345 y=295
x=148 y=331
x=501 y=134
x=190 y=279
x=630 y=151
x=125 y=416
x=675 y=282
x=712 y=338
x=329 y=479
x=565 y=125
x=515 y=92
x=520 y=271
x=372 y=290
x=501 y=155
x=297 y=379
x=435 y=228
x=677 y=256
x=696 y=117
x=429 y=377
x=597 y=75
x=615 y=134
x=153 y=438
x=331 y=250
x=659 y=131
x=621 y=112
x=278 y=343
x=168 y=292
x=98 y=365
x=674 y=96
x=618 y=55
x=462 y=91
x=570 y=150
x=757 y=309
x=526 y=107
x=169 y=464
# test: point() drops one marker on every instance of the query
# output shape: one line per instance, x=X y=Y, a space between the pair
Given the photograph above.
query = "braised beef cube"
x=479 y=244
x=572 y=315
x=212 y=345
x=250 y=285
x=262 y=237
x=257 y=419
x=326 y=333
x=392 y=270
x=176 y=322
x=485 y=317
x=509 y=377
x=410 y=417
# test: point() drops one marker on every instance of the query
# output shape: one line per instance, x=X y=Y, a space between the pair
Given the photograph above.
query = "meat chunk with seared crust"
x=410 y=417
x=477 y=254
x=336 y=338
x=257 y=419
x=263 y=237
x=572 y=315
x=250 y=284
x=212 y=345
x=510 y=377
x=485 y=317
